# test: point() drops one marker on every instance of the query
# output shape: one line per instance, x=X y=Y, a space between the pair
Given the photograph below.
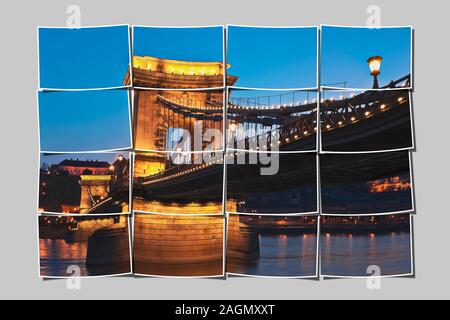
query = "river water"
x=56 y=256
x=351 y=255
x=281 y=255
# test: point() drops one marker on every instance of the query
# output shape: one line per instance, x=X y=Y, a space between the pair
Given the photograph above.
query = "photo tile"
x=84 y=121
x=366 y=121
x=366 y=246
x=272 y=183
x=84 y=183
x=366 y=58
x=276 y=121
x=179 y=183
x=273 y=57
x=178 y=246
x=366 y=184
x=83 y=58
x=194 y=61
x=84 y=246
x=179 y=121
x=272 y=246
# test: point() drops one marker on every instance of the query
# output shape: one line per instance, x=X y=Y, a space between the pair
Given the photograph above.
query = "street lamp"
x=375 y=66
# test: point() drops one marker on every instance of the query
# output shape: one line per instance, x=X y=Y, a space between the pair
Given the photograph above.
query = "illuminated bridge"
x=359 y=121
x=369 y=120
x=284 y=122
x=200 y=182
x=353 y=120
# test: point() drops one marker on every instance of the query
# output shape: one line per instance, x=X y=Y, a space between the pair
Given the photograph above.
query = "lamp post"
x=375 y=66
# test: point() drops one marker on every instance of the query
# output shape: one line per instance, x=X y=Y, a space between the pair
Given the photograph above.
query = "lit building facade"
x=78 y=167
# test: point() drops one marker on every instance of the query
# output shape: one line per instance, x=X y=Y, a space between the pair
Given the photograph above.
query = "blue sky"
x=84 y=120
x=344 y=54
x=50 y=159
x=83 y=58
x=273 y=58
x=190 y=44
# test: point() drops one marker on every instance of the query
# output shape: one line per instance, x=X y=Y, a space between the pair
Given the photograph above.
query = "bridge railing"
x=290 y=99
x=339 y=113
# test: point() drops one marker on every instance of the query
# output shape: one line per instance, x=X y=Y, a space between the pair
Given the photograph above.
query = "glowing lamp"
x=375 y=69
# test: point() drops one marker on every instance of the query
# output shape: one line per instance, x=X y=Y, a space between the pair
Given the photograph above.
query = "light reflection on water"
x=282 y=255
x=57 y=255
x=351 y=255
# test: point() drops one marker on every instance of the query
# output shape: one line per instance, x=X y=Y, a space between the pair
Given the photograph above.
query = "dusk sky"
x=273 y=58
x=344 y=54
x=84 y=121
x=189 y=44
x=50 y=159
x=83 y=58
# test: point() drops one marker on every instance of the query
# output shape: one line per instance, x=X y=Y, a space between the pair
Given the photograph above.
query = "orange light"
x=375 y=65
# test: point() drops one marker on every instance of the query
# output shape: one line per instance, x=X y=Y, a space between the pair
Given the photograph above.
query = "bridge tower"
x=156 y=121
x=94 y=188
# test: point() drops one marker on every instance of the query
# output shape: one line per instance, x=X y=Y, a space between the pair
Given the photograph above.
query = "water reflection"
x=281 y=255
x=57 y=255
x=351 y=255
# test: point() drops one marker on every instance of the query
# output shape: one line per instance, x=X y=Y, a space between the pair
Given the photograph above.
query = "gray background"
x=18 y=239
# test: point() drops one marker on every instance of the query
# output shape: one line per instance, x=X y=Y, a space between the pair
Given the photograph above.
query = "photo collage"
x=226 y=151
